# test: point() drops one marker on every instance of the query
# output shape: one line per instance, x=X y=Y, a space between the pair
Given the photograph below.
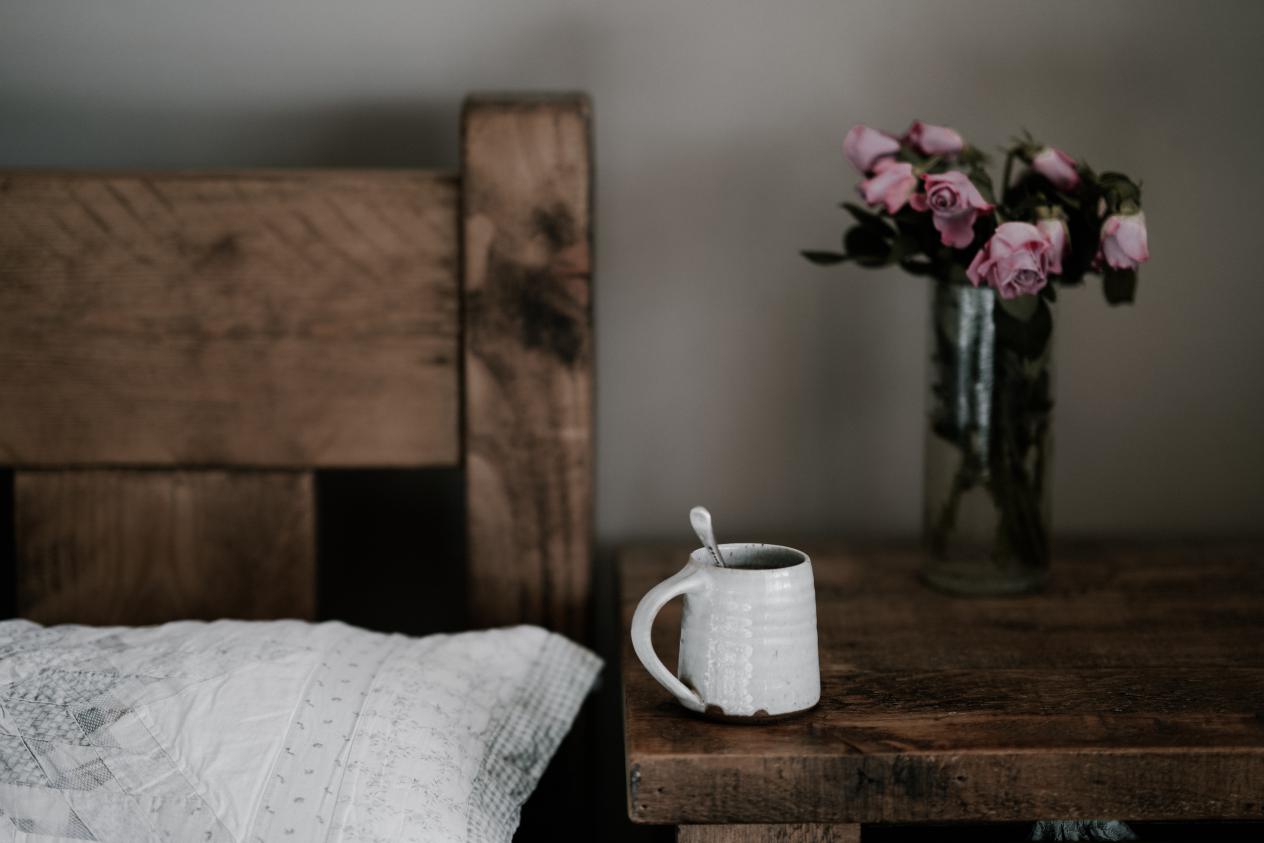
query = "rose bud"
x=954 y=203
x=1057 y=167
x=1124 y=244
x=1054 y=229
x=864 y=147
x=1015 y=261
x=891 y=184
x=934 y=140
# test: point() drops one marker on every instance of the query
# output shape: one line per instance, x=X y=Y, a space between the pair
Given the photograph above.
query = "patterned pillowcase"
x=283 y=730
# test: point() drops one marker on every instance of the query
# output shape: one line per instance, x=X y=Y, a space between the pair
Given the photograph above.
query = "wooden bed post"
x=526 y=226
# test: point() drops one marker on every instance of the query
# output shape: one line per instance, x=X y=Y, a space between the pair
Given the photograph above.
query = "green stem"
x=1012 y=489
x=1005 y=175
x=962 y=481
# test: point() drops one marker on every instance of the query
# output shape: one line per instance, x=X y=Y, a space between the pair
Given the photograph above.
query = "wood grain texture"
x=526 y=217
x=1132 y=688
x=281 y=319
x=141 y=547
x=789 y=833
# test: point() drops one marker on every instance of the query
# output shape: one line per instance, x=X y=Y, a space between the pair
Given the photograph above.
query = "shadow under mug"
x=747 y=636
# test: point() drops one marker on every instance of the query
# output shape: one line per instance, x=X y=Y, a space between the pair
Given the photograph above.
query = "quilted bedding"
x=277 y=731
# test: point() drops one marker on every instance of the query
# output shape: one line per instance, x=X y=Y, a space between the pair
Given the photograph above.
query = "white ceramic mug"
x=747 y=637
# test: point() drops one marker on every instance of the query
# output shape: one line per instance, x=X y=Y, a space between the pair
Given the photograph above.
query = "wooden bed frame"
x=180 y=352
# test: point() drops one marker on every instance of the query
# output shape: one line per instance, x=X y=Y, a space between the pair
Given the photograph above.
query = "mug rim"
x=702 y=557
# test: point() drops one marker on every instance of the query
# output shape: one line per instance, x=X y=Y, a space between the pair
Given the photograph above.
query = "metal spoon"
x=700 y=519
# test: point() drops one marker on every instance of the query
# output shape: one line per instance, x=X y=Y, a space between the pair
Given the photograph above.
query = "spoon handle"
x=700 y=520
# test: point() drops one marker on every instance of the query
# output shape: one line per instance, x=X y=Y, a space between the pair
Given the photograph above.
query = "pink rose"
x=891 y=184
x=1015 y=261
x=934 y=140
x=1057 y=167
x=1055 y=231
x=1123 y=244
x=954 y=203
x=864 y=147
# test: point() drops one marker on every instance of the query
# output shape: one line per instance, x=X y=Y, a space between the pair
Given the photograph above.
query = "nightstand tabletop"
x=1132 y=688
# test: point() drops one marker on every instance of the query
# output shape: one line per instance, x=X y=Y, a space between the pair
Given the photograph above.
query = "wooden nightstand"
x=1133 y=688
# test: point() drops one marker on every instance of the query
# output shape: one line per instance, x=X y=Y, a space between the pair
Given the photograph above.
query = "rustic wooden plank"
x=282 y=319
x=1178 y=785
x=789 y=833
x=527 y=235
x=140 y=547
x=1131 y=688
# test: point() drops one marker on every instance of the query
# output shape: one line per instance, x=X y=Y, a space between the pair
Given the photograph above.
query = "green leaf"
x=983 y=182
x=867 y=218
x=1120 y=285
x=866 y=246
x=823 y=258
x=920 y=227
x=904 y=246
x=1120 y=191
x=1021 y=308
x=1028 y=337
x=972 y=155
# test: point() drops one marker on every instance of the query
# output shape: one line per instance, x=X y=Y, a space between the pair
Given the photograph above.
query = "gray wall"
x=788 y=398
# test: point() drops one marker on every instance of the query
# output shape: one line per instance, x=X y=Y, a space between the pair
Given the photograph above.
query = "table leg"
x=798 y=833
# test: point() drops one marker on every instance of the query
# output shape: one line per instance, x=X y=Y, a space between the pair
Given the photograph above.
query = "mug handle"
x=687 y=579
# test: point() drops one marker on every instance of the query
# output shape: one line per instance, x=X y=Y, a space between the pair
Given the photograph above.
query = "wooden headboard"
x=180 y=351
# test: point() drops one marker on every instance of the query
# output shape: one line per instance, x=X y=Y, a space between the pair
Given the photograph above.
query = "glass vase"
x=988 y=443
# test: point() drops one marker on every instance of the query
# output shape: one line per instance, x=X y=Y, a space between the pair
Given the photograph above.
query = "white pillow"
x=278 y=731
